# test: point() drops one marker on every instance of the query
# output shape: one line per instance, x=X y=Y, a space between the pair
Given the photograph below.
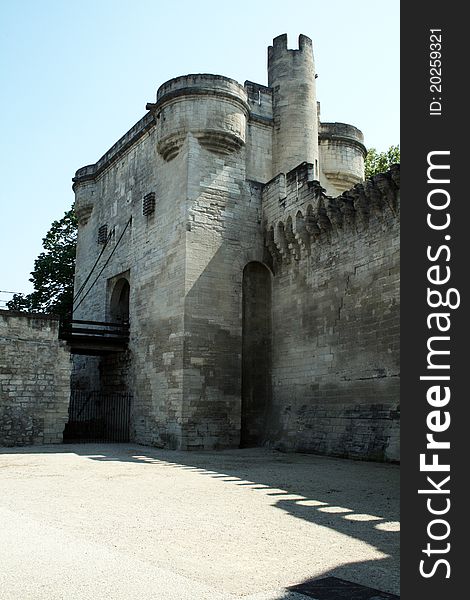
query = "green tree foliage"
x=379 y=162
x=53 y=272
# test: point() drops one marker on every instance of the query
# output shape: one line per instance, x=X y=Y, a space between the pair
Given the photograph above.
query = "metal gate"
x=98 y=417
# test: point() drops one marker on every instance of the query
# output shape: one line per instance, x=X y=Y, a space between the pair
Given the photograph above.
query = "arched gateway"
x=256 y=354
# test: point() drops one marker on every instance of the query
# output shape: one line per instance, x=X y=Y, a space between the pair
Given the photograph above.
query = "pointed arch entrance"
x=256 y=353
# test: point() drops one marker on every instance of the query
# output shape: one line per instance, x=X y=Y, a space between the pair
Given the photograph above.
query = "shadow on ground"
x=355 y=498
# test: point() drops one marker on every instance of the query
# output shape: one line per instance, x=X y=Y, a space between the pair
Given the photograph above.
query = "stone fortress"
x=258 y=271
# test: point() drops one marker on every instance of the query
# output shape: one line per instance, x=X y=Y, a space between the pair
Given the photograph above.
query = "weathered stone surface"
x=335 y=372
x=34 y=380
x=241 y=175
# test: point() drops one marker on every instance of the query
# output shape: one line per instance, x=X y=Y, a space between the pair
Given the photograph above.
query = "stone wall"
x=224 y=235
x=335 y=316
x=34 y=380
x=150 y=256
x=259 y=137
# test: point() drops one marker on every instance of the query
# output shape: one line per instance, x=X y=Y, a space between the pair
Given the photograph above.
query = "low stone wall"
x=34 y=380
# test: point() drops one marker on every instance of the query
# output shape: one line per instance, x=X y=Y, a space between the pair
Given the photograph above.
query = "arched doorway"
x=119 y=302
x=256 y=354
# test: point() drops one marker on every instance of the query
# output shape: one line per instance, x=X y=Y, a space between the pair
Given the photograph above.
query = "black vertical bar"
x=108 y=418
x=111 y=434
x=71 y=406
x=126 y=422
x=88 y=425
x=93 y=415
x=120 y=411
x=105 y=417
x=113 y=418
x=124 y=412
x=126 y=418
x=117 y=416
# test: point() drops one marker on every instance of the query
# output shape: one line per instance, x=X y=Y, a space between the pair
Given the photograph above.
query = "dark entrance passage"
x=119 y=301
x=98 y=417
x=256 y=354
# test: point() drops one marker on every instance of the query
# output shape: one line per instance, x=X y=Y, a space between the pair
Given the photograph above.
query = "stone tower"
x=208 y=227
x=291 y=75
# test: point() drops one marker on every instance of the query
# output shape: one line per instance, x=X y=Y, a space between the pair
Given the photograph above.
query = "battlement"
x=255 y=90
x=296 y=210
x=200 y=84
x=280 y=120
x=344 y=133
x=288 y=192
x=291 y=75
x=260 y=100
x=343 y=153
x=279 y=46
x=90 y=172
x=212 y=107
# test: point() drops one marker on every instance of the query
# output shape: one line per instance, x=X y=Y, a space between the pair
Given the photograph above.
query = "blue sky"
x=75 y=76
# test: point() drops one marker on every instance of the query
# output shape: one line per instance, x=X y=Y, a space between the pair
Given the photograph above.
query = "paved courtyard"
x=123 y=521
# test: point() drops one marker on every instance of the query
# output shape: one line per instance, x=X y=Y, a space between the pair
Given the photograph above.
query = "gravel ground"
x=123 y=521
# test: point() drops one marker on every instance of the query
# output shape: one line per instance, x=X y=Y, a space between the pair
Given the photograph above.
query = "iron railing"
x=98 y=417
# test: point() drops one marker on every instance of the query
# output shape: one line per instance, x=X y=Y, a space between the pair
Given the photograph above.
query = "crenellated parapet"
x=297 y=213
x=342 y=153
x=260 y=101
x=213 y=108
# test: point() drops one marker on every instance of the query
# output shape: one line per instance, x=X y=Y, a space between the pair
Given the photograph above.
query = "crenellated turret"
x=213 y=108
x=291 y=75
x=342 y=154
